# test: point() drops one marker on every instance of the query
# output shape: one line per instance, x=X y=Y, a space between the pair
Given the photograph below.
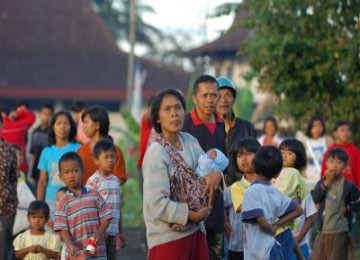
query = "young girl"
x=61 y=140
x=96 y=127
x=316 y=143
x=242 y=156
x=270 y=136
x=292 y=184
x=37 y=243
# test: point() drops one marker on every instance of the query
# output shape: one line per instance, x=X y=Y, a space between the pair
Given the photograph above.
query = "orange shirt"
x=87 y=157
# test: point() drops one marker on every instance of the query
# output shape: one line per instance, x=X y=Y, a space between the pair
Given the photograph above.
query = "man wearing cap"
x=208 y=128
x=236 y=128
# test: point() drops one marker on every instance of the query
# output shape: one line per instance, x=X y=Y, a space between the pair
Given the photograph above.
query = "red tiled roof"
x=62 y=49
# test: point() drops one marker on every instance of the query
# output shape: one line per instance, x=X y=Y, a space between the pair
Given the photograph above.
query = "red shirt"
x=211 y=126
x=145 y=131
x=352 y=170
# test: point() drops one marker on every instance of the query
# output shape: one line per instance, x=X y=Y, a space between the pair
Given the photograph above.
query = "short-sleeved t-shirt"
x=48 y=162
x=309 y=209
x=109 y=189
x=261 y=199
x=236 y=237
x=47 y=240
x=81 y=216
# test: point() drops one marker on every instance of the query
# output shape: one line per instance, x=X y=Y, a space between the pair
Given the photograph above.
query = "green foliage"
x=188 y=99
x=307 y=54
x=244 y=104
x=224 y=9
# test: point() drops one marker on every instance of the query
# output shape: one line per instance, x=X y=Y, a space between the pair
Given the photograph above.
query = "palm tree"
x=115 y=14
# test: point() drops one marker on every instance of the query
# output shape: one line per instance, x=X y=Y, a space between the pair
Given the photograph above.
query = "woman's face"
x=90 y=127
x=62 y=127
x=171 y=115
x=316 y=129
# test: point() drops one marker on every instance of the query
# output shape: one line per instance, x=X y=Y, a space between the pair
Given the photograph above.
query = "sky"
x=188 y=15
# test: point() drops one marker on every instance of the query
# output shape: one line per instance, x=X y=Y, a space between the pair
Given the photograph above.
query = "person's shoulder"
x=74 y=145
x=186 y=137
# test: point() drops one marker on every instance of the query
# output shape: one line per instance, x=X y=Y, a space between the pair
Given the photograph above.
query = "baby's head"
x=38 y=215
x=212 y=154
x=59 y=194
x=293 y=153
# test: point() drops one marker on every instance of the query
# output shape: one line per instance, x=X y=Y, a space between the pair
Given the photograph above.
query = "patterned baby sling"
x=185 y=185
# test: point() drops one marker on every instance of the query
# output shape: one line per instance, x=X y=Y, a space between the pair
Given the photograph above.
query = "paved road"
x=135 y=249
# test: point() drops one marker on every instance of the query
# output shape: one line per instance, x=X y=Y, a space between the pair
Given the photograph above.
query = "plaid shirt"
x=8 y=179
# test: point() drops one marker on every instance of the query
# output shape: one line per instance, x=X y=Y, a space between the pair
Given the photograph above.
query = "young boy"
x=342 y=134
x=242 y=156
x=265 y=208
x=336 y=196
x=108 y=186
x=82 y=213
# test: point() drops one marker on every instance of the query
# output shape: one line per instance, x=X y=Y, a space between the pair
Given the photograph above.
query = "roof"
x=62 y=49
x=227 y=44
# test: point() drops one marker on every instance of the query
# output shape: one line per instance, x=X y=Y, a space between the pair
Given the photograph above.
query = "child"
x=108 y=186
x=336 y=196
x=342 y=134
x=243 y=156
x=24 y=195
x=263 y=205
x=316 y=143
x=292 y=184
x=82 y=213
x=270 y=136
x=37 y=243
x=212 y=160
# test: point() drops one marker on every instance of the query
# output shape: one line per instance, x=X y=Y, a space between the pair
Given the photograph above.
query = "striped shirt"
x=81 y=216
x=109 y=188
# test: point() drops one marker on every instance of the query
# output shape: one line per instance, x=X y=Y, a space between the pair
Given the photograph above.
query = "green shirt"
x=334 y=219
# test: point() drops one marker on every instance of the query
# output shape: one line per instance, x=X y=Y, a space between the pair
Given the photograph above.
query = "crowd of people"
x=212 y=187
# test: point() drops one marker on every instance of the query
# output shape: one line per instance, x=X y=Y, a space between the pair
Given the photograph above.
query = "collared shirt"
x=8 y=178
x=209 y=125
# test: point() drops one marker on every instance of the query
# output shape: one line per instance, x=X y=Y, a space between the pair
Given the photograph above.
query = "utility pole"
x=131 y=56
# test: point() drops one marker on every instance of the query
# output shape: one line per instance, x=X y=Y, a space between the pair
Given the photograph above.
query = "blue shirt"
x=48 y=162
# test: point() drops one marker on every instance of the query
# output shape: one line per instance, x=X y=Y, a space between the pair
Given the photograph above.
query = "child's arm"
x=266 y=226
x=48 y=252
x=307 y=225
x=66 y=237
x=319 y=192
x=21 y=253
x=297 y=250
x=123 y=238
x=289 y=216
x=104 y=224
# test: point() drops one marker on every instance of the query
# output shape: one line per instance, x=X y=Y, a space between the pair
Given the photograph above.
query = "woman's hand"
x=212 y=183
x=200 y=215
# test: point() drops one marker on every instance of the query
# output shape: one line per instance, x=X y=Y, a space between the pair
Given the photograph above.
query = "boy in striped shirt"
x=81 y=213
x=108 y=185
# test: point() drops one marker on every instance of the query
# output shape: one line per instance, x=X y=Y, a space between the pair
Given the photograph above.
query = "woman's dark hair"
x=311 y=121
x=271 y=119
x=247 y=144
x=298 y=149
x=38 y=206
x=155 y=108
x=73 y=129
x=98 y=114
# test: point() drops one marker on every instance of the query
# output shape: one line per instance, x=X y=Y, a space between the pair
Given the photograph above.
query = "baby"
x=212 y=160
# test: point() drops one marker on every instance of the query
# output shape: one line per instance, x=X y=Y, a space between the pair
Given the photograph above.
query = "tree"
x=307 y=53
x=115 y=15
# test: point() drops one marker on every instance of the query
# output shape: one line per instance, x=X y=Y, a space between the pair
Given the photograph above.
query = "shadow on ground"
x=135 y=248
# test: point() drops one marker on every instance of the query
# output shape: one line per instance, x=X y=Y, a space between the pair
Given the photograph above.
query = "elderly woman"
x=174 y=196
